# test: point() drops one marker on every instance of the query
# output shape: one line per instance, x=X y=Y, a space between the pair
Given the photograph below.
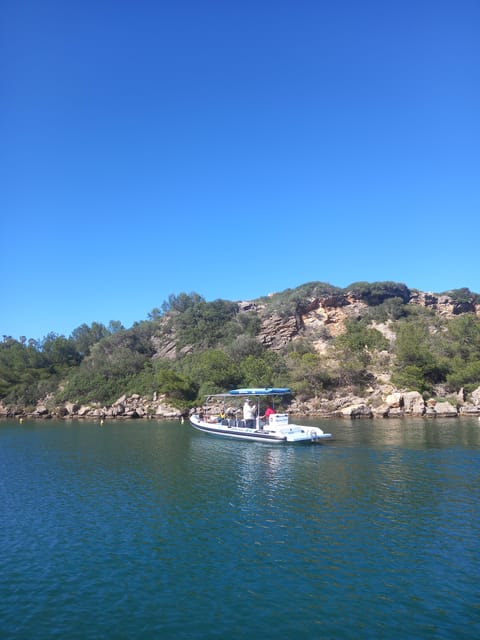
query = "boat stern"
x=296 y=433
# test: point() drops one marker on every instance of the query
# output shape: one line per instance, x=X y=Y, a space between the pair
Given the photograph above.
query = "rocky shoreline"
x=389 y=404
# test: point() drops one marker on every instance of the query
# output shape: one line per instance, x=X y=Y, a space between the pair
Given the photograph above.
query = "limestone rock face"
x=41 y=410
x=443 y=304
x=469 y=409
x=399 y=404
x=382 y=411
x=356 y=411
x=277 y=332
x=395 y=413
x=125 y=407
x=164 y=411
x=394 y=400
x=413 y=403
x=71 y=408
x=476 y=396
x=445 y=410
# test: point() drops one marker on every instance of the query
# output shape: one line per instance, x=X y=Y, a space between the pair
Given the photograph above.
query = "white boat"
x=216 y=418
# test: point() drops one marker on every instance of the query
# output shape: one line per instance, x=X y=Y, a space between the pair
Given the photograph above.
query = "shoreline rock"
x=389 y=404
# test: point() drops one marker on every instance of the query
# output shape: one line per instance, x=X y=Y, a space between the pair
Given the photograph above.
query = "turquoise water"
x=152 y=530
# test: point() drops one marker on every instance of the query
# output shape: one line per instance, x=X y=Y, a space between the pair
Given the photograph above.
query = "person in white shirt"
x=249 y=414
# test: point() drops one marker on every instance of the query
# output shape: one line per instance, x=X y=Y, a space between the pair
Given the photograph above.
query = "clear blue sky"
x=232 y=149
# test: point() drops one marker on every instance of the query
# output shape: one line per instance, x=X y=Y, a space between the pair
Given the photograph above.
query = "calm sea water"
x=152 y=530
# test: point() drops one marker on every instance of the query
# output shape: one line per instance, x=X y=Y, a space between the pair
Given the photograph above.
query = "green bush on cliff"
x=374 y=293
x=390 y=309
x=294 y=302
x=30 y=369
x=212 y=370
x=418 y=361
x=309 y=374
x=361 y=340
x=353 y=353
x=266 y=370
x=106 y=373
x=460 y=346
x=462 y=296
x=206 y=324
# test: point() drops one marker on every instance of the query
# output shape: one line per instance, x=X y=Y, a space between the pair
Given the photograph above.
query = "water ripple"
x=152 y=530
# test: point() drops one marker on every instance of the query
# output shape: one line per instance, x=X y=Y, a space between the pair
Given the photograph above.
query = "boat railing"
x=273 y=421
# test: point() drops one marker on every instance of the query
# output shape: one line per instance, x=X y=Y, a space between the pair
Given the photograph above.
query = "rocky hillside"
x=310 y=319
x=323 y=318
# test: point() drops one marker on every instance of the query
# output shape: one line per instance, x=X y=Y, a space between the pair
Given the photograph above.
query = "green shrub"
x=374 y=293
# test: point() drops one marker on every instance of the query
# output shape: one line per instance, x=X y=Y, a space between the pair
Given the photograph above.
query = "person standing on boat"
x=268 y=412
x=249 y=414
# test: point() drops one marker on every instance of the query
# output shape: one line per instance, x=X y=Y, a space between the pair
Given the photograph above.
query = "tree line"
x=216 y=348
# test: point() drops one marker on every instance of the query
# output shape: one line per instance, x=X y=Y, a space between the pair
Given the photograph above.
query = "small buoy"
x=101 y=423
x=21 y=420
x=182 y=420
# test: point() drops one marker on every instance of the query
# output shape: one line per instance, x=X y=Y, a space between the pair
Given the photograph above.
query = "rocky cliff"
x=325 y=316
x=319 y=319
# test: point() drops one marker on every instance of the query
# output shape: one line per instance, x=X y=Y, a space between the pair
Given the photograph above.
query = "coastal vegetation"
x=317 y=339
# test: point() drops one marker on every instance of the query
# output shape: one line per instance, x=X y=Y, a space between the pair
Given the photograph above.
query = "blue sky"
x=232 y=149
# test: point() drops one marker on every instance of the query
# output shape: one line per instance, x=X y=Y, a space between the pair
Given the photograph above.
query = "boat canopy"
x=267 y=391
x=264 y=391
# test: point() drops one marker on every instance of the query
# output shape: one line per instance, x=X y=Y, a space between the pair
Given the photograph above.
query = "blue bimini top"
x=265 y=391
